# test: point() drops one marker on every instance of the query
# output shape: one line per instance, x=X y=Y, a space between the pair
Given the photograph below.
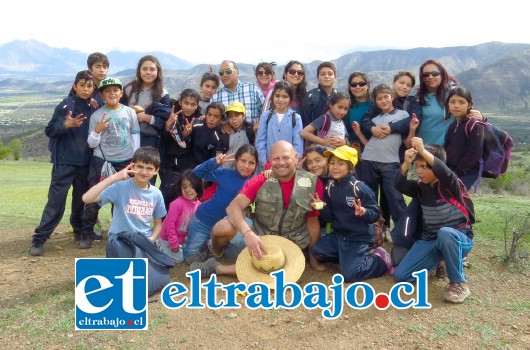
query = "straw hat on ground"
x=281 y=254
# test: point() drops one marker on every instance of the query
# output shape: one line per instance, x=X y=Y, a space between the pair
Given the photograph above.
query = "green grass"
x=24 y=194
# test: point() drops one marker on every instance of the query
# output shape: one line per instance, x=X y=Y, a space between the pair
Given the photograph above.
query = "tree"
x=4 y=151
x=16 y=147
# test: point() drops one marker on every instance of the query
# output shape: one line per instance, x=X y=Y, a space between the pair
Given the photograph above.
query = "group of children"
x=205 y=153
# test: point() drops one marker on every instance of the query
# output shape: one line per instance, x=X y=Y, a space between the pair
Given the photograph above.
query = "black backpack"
x=269 y=116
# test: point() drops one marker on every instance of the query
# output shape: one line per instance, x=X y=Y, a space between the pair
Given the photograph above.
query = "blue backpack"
x=496 y=153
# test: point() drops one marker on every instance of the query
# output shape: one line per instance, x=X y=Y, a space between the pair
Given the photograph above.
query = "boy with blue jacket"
x=68 y=132
x=352 y=209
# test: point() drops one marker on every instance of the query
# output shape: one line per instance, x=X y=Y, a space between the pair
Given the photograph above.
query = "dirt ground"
x=496 y=316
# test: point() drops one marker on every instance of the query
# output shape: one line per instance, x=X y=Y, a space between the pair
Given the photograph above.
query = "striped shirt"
x=248 y=94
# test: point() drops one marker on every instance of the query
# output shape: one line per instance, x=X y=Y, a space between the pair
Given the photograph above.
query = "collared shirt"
x=248 y=94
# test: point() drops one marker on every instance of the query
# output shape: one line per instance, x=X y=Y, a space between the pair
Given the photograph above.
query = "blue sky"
x=252 y=31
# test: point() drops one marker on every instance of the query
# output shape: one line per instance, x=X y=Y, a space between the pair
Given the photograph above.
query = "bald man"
x=282 y=207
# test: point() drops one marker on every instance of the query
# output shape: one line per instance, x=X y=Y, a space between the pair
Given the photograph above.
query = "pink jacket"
x=175 y=225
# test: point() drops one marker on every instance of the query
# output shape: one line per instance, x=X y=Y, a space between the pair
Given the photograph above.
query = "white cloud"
x=245 y=31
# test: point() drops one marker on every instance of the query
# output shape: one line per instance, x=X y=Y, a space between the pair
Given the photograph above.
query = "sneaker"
x=85 y=243
x=203 y=254
x=383 y=254
x=441 y=272
x=456 y=292
x=37 y=249
x=208 y=268
x=98 y=231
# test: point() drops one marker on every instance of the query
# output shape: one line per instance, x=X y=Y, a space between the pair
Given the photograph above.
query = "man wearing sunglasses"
x=233 y=89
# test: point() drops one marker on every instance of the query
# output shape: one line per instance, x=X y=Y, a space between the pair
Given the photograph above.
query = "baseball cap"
x=237 y=107
x=345 y=153
x=109 y=82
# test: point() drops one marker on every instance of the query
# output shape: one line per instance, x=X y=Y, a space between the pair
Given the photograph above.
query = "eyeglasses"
x=428 y=74
x=227 y=71
x=262 y=72
x=361 y=84
x=295 y=72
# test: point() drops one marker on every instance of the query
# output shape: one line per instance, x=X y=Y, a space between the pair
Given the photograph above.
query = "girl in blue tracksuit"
x=351 y=208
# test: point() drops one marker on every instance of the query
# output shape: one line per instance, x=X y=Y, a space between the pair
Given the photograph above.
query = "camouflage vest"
x=271 y=219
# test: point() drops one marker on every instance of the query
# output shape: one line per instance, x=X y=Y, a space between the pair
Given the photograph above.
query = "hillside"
x=497 y=73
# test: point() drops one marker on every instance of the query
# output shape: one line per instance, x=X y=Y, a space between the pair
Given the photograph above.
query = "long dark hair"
x=158 y=84
x=444 y=87
x=301 y=88
x=247 y=148
x=195 y=182
x=365 y=78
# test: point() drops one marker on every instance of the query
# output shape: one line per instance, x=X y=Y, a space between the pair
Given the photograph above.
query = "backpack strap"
x=269 y=116
x=293 y=118
x=458 y=204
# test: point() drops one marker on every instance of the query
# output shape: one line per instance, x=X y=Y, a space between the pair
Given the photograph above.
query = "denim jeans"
x=198 y=234
x=356 y=264
x=375 y=174
x=451 y=245
x=468 y=180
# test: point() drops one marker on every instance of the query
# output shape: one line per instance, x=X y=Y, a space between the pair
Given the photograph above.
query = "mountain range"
x=498 y=74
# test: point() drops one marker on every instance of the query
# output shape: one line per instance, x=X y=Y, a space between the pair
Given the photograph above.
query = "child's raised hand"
x=316 y=202
x=409 y=156
x=417 y=143
x=93 y=103
x=70 y=122
x=223 y=158
x=359 y=209
x=125 y=173
x=202 y=117
x=186 y=131
x=414 y=122
x=103 y=124
x=172 y=119
x=356 y=128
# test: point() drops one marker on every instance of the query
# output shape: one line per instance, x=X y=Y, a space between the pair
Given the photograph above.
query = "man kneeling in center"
x=283 y=206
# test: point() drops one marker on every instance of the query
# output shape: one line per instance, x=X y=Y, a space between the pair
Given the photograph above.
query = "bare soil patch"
x=496 y=316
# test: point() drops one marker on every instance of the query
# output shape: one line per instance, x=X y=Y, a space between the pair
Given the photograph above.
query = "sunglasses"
x=294 y=72
x=262 y=72
x=433 y=74
x=227 y=71
x=361 y=84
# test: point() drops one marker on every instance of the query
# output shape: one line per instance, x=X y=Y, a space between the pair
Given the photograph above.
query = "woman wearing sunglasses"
x=294 y=74
x=359 y=91
x=435 y=84
x=265 y=76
